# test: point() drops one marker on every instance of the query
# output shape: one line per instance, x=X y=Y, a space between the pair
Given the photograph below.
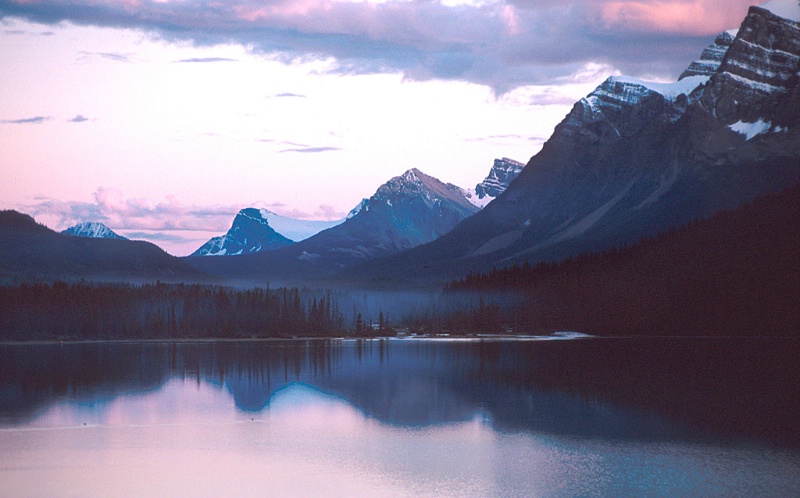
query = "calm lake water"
x=586 y=417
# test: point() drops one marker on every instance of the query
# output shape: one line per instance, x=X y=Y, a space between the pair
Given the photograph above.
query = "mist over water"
x=402 y=418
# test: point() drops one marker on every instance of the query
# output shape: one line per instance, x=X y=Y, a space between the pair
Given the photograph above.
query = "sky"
x=163 y=118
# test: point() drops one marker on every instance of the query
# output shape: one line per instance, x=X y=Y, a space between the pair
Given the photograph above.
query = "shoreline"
x=399 y=337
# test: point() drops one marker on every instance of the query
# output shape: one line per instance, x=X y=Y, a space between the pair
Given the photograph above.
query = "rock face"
x=710 y=59
x=92 y=229
x=249 y=233
x=405 y=212
x=503 y=172
x=635 y=158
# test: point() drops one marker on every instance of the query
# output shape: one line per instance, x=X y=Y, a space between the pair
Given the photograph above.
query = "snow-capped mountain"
x=634 y=158
x=503 y=172
x=92 y=229
x=251 y=232
x=408 y=210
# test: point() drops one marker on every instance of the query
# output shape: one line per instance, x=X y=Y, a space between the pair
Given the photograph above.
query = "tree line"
x=157 y=311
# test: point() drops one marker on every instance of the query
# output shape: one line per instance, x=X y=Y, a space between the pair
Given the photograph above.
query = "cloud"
x=111 y=207
x=144 y=218
x=24 y=32
x=80 y=118
x=104 y=55
x=34 y=120
x=507 y=138
x=311 y=150
x=686 y=17
x=171 y=238
x=289 y=95
x=503 y=44
x=323 y=212
x=327 y=212
x=208 y=59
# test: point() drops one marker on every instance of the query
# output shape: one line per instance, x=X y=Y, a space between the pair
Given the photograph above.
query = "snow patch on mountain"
x=750 y=130
x=669 y=91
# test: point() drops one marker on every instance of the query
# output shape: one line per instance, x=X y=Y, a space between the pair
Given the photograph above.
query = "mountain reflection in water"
x=642 y=389
x=592 y=417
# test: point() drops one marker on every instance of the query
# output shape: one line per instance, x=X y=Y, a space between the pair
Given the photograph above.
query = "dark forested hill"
x=737 y=273
x=32 y=252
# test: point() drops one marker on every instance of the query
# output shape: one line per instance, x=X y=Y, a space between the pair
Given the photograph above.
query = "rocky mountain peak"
x=622 y=105
x=761 y=65
x=503 y=172
x=414 y=186
x=92 y=229
x=712 y=56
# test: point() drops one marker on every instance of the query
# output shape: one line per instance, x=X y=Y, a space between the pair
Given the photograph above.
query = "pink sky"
x=163 y=119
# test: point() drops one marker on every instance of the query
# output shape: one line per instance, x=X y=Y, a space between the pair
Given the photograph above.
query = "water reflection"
x=645 y=389
x=590 y=417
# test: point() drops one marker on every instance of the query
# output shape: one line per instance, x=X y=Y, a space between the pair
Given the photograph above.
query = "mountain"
x=635 y=158
x=30 y=252
x=503 y=172
x=406 y=211
x=92 y=229
x=249 y=233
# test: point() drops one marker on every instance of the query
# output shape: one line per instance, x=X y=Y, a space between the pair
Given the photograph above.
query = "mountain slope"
x=407 y=211
x=249 y=233
x=635 y=158
x=92 y=229
x=31 y=252
x=733 y=274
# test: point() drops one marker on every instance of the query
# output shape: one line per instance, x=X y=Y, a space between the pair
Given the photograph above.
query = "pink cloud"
x=696 y=17
x=509 y=16
x=502 y=44
x=327 y=212
x=112 y=208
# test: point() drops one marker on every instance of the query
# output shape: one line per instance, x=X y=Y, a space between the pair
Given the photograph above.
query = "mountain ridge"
x=406 y=211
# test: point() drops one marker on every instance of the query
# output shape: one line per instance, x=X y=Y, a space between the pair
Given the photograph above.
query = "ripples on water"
x=599 y=417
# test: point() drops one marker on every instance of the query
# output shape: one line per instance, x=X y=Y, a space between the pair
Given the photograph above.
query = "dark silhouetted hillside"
x=737 y=273
x=31 y=252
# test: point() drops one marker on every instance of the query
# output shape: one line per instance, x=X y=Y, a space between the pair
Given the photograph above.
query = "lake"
x=402 y=417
